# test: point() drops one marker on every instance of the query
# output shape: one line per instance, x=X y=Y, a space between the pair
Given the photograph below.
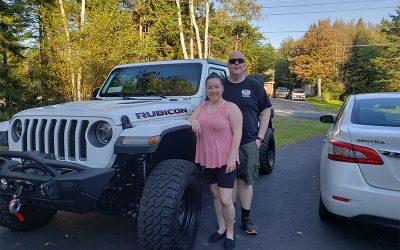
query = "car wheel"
x=267 y=153
x=324 y=214
x=169 y=213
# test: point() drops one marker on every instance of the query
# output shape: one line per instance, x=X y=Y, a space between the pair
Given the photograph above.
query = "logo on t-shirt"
x=246 y=93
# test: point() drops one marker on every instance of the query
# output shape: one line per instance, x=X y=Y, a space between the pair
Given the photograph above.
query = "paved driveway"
x=297 y=109
x=285 y=209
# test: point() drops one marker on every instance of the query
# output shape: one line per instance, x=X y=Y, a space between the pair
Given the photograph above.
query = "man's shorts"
x=217 y=175
x=249 y=162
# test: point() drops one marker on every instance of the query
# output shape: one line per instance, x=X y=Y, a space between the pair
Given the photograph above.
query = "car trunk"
x=386 y=142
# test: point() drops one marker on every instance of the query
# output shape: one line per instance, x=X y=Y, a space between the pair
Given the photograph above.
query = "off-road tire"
x=323 y=212
x=267 y=153
x=170 y=207
x=34 y=216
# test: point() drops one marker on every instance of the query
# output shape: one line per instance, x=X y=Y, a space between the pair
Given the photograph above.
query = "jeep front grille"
x=63 y=138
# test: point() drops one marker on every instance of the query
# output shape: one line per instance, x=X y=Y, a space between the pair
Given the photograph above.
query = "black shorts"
x=217 y=175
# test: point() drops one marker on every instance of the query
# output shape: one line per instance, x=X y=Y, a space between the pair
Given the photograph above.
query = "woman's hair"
x=214 y=76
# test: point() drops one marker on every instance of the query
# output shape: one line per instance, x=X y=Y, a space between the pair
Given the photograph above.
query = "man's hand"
x=258 y=142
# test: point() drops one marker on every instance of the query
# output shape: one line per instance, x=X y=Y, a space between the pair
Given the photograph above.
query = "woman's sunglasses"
x=234 y=60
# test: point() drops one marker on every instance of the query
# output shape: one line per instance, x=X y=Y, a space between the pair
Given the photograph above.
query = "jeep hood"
x=136 y=110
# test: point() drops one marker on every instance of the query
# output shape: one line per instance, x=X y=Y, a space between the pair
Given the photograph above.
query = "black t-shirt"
x=251 y=98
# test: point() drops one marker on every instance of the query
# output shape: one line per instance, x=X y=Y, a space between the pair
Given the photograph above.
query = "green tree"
x=361 y=73
x=283 y=74
x=389 y=62
x=314 y=56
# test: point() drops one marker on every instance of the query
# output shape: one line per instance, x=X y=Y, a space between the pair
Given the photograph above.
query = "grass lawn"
x=291 y=130
x=333 y=105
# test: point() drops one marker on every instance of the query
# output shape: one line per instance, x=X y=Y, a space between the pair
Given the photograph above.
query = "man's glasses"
x=234 y=60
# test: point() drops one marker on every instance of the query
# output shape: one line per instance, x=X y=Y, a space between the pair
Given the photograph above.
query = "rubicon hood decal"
x=154 y=113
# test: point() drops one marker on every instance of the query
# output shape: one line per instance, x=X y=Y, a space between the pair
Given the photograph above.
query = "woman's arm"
x=193 y=119
x=236 y=122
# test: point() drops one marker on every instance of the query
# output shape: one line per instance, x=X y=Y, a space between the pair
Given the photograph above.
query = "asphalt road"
x=297 y=109
x=285 y=210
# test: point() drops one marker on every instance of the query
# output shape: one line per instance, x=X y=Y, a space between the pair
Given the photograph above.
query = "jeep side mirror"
x=327 y=119
x=94 y=93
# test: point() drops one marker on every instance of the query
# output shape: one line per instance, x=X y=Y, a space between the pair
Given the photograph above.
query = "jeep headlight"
x=17 y=129
x=104 y=132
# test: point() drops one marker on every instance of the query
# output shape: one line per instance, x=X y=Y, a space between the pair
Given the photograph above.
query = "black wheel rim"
x=187 y=213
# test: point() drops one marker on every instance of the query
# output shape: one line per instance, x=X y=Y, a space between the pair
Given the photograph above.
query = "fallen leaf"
x=47 y=243
x=299 y=233
x=66 y=236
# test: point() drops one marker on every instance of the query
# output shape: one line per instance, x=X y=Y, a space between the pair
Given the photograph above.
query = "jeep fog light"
x=104 y=132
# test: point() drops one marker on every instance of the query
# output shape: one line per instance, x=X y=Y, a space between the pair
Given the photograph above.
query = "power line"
x=325 y=11
x=353 y=46
x=302 y=31
x=317 y=4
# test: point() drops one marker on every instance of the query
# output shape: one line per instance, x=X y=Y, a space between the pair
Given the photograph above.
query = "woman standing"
x=218 y=126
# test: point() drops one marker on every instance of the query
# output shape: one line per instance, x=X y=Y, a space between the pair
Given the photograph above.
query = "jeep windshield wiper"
x=151 y=93
x=124 y=97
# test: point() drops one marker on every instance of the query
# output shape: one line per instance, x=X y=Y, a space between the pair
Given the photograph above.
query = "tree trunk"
x=319 y=88
x=178 y=5
x=191 y=41
x=206 y=29
x=79 y=77
x=193 y=21
x=69 y=51
x=237 y=42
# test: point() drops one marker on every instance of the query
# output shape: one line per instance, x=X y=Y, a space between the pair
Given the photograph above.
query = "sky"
x=277 y=19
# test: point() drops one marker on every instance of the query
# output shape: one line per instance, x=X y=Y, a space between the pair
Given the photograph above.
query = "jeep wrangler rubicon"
x=130 y=151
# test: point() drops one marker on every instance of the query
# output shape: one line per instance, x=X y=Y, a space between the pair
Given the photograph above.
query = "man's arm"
x=265 y=115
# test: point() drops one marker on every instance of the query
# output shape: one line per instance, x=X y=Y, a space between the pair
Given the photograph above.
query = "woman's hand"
x=230 y=165
x=196 y=127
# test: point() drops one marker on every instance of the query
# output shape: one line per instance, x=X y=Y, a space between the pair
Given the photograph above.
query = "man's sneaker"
x=248 y=226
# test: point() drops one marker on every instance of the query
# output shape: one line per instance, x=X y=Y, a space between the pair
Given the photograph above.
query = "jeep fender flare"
x=177 y=140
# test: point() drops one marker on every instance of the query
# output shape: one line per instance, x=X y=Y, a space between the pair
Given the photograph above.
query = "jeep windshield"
x=153 y=80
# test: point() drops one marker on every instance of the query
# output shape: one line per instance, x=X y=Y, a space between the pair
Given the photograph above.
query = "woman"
x=218 y=127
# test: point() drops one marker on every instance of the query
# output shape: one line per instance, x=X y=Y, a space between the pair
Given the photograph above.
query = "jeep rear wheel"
x=267 y=153
x=170 y=206
x=34 y=216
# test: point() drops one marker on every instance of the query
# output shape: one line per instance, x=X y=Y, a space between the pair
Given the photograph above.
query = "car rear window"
x=377 y=112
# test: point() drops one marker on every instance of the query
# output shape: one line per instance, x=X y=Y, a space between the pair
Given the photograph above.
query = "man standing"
x=250 y=96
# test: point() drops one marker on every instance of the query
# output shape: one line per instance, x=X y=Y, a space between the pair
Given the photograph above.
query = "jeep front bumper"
x=56 y=184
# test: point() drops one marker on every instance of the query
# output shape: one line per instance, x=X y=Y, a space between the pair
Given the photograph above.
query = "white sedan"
x=360 y=160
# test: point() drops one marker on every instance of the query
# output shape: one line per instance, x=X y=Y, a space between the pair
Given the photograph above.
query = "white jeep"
x=130 y=151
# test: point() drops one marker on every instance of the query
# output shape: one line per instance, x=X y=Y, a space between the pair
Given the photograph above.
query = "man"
x=250 y=96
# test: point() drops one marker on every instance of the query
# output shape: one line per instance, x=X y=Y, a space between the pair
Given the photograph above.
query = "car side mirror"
x=327 y=119
x=94 y=93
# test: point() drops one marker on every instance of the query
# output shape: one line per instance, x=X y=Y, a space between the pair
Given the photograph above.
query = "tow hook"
x=14 y=206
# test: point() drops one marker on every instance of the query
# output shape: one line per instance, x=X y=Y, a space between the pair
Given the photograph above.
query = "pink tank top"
x=214 y=142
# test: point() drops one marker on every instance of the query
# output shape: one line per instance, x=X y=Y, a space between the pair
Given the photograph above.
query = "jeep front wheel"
x=170 y=206
x=267 y=153
x=34 y=217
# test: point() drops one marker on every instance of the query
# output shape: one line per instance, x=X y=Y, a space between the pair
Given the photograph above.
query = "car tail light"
x=343 y=151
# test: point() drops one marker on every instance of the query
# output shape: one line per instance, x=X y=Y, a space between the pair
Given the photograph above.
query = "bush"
x=2 y=117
